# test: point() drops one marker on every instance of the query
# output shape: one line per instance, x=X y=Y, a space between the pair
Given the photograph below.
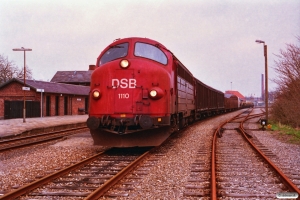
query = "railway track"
x=240 y=169
x=19 y=142
x=88 y=179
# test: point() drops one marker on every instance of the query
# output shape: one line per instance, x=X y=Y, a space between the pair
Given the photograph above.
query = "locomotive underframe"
x=149 y=137
x=128 y=132
x=127 y=125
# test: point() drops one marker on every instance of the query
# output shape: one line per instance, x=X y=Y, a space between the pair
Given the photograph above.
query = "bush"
x=286 y=107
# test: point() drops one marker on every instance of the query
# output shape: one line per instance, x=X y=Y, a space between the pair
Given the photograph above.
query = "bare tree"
x=286 y=108
x=20 y=73
x=9 y=70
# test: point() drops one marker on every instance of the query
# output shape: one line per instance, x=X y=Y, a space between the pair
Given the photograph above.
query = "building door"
x=33 y=109
x=48 y=105
x=14 y=109
x=56 y=105
x=65 y=105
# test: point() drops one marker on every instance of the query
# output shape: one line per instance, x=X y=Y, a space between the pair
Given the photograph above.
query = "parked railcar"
x=184 y=96
x=232 y=102
x=209 y=101
x=247 y=104
x=140 y=93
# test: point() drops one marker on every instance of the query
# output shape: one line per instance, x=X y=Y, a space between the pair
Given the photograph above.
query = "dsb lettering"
x=124 y=83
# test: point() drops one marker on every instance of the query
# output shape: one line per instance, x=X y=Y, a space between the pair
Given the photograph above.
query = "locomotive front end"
x=130 y=94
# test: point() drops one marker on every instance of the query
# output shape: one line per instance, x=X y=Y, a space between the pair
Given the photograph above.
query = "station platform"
x=13 y=127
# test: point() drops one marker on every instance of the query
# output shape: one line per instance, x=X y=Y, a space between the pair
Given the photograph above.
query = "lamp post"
x=266 y=78
x=24 y=50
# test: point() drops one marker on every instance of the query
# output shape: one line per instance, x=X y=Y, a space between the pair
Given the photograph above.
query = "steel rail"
x=110 y=183
x=27 y=188
x=285 y=179
x=17 y=138
x=50 y=136
x=213 y=188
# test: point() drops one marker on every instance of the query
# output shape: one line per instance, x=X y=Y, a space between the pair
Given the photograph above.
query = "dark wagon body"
x=209 y=101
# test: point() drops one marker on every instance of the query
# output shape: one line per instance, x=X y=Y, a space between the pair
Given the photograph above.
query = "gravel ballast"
x=167 y=179
x=21 y=166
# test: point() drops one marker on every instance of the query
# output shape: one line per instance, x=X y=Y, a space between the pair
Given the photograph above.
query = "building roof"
x=236 y=93
x=51 y=87
x=72 y=77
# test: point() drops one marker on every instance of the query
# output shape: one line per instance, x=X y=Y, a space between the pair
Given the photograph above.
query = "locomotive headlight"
x=124 y=64
x=96 y=94
x=156 y=93
x=153 y=93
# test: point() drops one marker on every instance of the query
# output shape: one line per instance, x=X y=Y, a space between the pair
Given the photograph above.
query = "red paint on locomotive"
x=131 y=96
x=141 y=93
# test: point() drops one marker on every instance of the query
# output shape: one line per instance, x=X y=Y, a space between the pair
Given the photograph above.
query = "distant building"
x=57 y=99
x=73 y=77
x=236 y=93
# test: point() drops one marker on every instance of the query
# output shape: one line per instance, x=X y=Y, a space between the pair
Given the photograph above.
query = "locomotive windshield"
x=151 y=52
x=114 y=52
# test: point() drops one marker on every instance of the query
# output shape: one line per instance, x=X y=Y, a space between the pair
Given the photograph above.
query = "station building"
x=74 y=77
x=42 y=99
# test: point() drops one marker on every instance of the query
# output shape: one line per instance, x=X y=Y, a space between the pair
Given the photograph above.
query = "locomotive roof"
x=148 y=40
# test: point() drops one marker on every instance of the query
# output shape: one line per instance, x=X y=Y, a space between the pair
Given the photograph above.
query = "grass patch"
x=286 y=130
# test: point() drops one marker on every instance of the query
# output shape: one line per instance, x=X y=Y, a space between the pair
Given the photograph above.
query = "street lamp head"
x=22 y=49
x=259 y=41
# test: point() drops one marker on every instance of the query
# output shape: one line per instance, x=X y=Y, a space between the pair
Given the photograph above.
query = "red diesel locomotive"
x=141 y=93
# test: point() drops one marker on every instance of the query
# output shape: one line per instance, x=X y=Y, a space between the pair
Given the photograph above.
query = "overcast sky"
x=215 y=40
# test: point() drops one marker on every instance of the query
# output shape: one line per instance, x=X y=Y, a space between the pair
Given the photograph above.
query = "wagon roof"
x=51 y=87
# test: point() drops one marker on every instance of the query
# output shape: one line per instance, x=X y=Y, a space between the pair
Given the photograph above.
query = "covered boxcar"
x=231 y=101
x=209 y=101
